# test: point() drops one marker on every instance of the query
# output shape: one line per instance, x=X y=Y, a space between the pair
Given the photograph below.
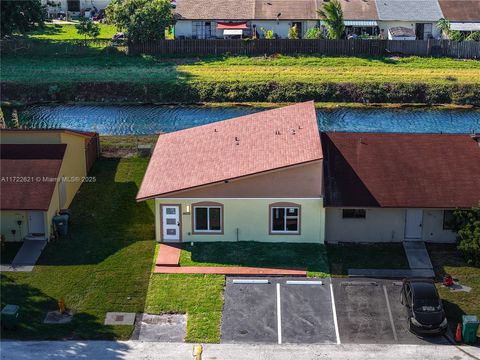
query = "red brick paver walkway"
x=168 y=255
x=220 y=270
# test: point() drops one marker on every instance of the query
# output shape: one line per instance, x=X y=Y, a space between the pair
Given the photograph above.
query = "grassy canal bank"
x=100 y=76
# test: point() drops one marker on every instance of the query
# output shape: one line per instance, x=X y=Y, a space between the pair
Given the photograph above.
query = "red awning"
x=236 y=25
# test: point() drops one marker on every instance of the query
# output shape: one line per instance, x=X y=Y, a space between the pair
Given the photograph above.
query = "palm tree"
x=444 y=25
x=332 y=14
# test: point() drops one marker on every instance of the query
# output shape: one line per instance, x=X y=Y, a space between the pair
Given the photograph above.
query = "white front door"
x=413 y=224
x=170 y=223
x=36 y=222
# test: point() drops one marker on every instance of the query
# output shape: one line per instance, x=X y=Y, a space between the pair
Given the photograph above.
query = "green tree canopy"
x=332 y=14
x=87 y=28
x=142 y=20
x=468 y=227
x=20 y=16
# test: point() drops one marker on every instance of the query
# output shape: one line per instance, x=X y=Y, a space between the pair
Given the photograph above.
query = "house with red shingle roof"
x=384 y=187
x=41 y=171
x=256 y=177
x=272 y=176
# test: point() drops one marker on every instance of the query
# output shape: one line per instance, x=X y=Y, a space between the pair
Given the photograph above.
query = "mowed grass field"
x=99 y=66
x=59 y=32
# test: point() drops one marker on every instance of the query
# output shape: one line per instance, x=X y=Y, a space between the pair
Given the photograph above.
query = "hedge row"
x=243 y=92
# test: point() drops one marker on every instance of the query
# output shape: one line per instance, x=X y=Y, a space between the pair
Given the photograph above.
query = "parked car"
x=424 y=307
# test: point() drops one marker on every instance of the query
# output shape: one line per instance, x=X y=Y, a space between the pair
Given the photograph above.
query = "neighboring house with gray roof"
x=420 y=16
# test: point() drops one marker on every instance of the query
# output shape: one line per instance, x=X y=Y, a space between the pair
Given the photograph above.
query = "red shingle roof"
x=24 y=169
x=401 y=170
x=232 y=148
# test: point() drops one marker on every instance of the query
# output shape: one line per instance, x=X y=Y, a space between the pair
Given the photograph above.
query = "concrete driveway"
x=279 y=310
x=369 y=311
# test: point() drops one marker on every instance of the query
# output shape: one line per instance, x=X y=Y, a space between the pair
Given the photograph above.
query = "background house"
x=463 y=15
x=419 y=16
x=31 y=163
x=256 y=177
x=391 y=187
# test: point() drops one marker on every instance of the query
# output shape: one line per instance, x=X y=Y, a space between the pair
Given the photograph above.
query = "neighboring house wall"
x=185 y=28
x=83 y=4
x=281 y=28
x=379 y=225
x=9 y=220
x=383 y=225
x=433 y=227
x=385 y=25
x=251 y=218
x=74 y=161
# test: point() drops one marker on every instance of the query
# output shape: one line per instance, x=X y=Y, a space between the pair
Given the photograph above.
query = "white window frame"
x=285 y=218
x=208 y=207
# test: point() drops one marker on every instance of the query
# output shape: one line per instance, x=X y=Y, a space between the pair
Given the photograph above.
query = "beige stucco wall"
x=303 y=181
x=251 y=218
x=383 y=225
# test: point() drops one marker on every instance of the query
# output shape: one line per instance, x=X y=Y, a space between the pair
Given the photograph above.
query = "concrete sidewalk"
x=109 y=350
x=26 y=257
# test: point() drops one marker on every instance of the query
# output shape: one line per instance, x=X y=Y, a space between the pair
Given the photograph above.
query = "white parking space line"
x=334 y=310
x=303 y=282
x=390 y=313
x=279 y=315
x=251 y=281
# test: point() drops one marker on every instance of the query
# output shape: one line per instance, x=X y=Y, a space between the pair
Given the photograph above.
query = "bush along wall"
x=191 y=92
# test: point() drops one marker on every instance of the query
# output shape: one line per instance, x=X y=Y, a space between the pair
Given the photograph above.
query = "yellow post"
x=197 y=352
x=61 y=305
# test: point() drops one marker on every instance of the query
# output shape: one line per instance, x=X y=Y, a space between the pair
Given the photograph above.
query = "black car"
x=424 y=307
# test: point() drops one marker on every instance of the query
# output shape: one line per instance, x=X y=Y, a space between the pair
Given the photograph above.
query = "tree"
x=332 y=14
x=467 y=224
x=444 y=25
x=267 y=33
x=293 y=32
x=20 y=16
x=314 y=33
x=87 y=28
x=142 y=20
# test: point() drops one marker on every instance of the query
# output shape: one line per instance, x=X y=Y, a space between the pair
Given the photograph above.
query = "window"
x=207 y=219
x=448 y=220
x=354 y=213
x=73 y=5
x=284 y=219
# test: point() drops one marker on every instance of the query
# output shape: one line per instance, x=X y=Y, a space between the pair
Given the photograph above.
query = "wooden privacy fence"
x=465 y=49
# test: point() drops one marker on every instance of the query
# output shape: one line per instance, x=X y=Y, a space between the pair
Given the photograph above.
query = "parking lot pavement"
x=278 y=311
x=369 y=311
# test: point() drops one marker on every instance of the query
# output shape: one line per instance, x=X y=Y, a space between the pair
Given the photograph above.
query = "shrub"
x=267 y=33
x=314 y=33
x=468 y=227
x=474 y=36
x=293 y=32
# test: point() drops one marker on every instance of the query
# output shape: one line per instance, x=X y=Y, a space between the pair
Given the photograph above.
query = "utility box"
x=10 y=315
x=61 y=224
x=470 y=325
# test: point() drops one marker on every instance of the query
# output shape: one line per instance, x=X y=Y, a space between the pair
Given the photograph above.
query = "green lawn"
x=365 y=256
x=199 y=296
x=103 y=265
x=9 y=250
x=311 y=257
x=98 y=66
x=447 y=260
x=69 y=32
